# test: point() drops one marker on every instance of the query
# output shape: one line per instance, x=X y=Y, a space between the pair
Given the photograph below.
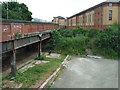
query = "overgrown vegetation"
x=104 y=42
x=35 y=73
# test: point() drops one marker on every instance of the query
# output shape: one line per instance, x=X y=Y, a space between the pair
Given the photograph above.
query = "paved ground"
x=88 y=73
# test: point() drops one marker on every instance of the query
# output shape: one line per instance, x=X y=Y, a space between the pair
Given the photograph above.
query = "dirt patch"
x=11 y=84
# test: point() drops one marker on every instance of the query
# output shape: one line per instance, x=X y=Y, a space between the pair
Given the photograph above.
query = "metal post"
x=13 y=64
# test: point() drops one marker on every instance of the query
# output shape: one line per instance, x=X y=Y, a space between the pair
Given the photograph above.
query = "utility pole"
x=7 y=9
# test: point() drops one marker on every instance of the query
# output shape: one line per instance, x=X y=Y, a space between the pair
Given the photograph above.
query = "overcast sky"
x=47 y=9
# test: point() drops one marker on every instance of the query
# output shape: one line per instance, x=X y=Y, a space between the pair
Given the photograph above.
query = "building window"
x=69 y=22
x=81 y=20
x=90 y=18
x=110 y=15
x=74 y=21
x=93 y=18
x=110 y=4
x=87 y=18
x=59 y=21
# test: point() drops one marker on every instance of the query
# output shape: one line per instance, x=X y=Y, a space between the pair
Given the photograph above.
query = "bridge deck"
x=22 y=42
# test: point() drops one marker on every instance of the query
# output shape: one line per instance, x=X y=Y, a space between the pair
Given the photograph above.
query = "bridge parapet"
x=14 y=29
x=22 y=42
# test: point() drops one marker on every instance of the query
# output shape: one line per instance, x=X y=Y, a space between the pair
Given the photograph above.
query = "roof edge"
x=93 y=8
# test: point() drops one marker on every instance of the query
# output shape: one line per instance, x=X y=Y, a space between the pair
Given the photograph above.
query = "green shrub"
x=106 y=52
x=93 y=33
x=56 y=37
x=72 y=45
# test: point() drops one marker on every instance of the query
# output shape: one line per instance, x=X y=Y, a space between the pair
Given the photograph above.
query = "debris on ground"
x=11 y=84
x=32 y=64
x=96 y=57
x=53 y=55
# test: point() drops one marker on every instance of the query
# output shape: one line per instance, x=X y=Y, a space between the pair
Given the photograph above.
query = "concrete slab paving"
x=88 y=73
x=53 y=55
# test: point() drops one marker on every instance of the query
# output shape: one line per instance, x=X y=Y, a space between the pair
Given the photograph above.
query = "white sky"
x=47 y=9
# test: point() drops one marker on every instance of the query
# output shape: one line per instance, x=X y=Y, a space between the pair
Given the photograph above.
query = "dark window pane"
x=110 y=15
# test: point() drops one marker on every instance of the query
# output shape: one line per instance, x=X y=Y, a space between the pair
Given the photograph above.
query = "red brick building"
x=98 y=16
x=59 y=20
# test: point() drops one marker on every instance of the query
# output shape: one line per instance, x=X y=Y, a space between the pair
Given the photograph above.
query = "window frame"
x=110 y=15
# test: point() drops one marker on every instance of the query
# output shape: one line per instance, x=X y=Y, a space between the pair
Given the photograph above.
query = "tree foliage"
x=18 y=11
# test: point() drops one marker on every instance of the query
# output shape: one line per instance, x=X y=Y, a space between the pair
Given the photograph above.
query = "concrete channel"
x=88 y=73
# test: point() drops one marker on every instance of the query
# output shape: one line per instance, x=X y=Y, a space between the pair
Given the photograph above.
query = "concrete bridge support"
x=40 y=46
x=11 y=50
x=13 y=63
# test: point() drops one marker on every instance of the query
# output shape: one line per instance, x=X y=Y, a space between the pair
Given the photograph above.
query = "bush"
x=93 y=33
x=108 y=41
x=56 y=37
x=72 y=45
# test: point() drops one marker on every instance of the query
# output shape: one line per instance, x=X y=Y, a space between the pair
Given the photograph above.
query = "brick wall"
x=10 y=29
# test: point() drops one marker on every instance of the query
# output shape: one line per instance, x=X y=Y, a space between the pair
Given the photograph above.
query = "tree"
x=16 y=10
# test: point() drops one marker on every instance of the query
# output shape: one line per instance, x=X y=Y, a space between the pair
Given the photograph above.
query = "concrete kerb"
x=54 y=74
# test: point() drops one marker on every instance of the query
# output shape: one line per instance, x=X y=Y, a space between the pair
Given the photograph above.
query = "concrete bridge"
x=34 y=33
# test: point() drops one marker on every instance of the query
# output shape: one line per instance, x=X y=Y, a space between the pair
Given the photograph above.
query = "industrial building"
x=98 y=16
x=59 y=20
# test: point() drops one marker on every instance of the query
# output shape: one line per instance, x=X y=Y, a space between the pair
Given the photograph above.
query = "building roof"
x=59 y=17
x=112 y=1
x=107 y=1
